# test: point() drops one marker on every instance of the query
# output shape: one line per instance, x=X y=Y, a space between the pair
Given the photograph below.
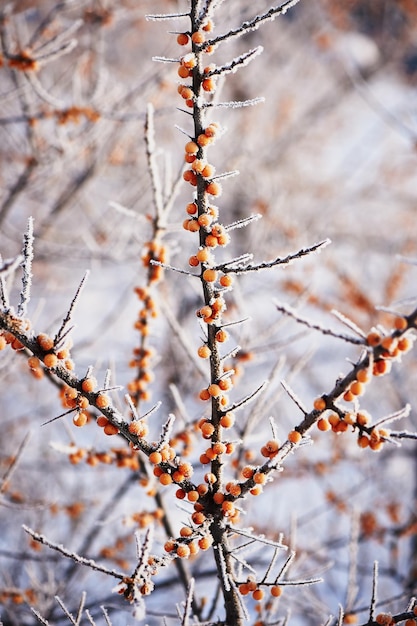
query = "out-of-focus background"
x=331 y=153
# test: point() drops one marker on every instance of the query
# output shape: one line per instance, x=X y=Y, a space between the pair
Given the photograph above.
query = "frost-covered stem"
x=27 y=253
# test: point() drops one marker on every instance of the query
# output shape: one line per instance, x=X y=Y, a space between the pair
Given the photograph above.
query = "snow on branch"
x=237 y=62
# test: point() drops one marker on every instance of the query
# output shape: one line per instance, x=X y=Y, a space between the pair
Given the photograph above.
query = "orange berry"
x=227 y=420
x=259 y=478
x=348 y=396
x=204 y=395
x=205 y=542
x=214 y=390
x=363 y=441
x=363 y=418
x=203 y=255
x=198 y=518
x=139 y=428
x=373 y=339
x=183 y=551
x=381 y=367
x=88 y=384
x=45 y=342
x=209 y=84
x=180 y=494
x=193 y=261
x=155 y=457
x=357 y=388
x=319 y=404
x=222 y=335
x=203 y=140
x=165 y=479
x=244 y=589
x=248 y=471
x=207 y=430
x=400 y=323
x=323 y=424
x=186 y=93
x=50 y=360
x=218 y=497
x=214 y=189
x=184 y=72
x=193 y=495
x=210 y=478
x=80 y=419
x=294 y=437
x=189 y=60
x=258 y=594
x=257 y=490
x=186 y=531
x=363 y=376
x=276 y=591
x=102 y=401
x=169 y=546
x=191 y=147
x=110 y=429
x=191 y=208
x=226 y=280
x=205 y=220
x=102 y=421
x=205 y=311
x=211 y=241
x=202 y=489
x=208 y=171
x=198 y=37
x=210 y=275
x=204 y=352
x=33 y=361
x=182 y=39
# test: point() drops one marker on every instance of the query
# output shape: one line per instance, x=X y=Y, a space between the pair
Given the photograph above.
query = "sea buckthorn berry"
x=248 y=471
x=191 y=208
x=204 y=395
x=210 y=275
x=205 y=542
x=165 y=479
x=363 y=376
x=183 y=551
x=319 y=404
x=45 y=342
x=348 y=396
x=385 y=619
x=138 y=428
x=182 y=39
x=193 y=261
x=202 y=489
x=259 y=478
x=190 y=177
x=205 y=220
x=214 y=390
x=17 y=345
x=214 y=189
x=363 y=441
x=193 y=495
x=211 y=241
x=227 y=420
x=204 y=352
x=381 y=367
x=244 y=589
x=110 y=430
x=82 y=402
x=80 y=419
x=186 y=531
x=198 y=518
x=189 y=60
x=191 y=147
x=210 y=478
x=3 y=343
x=256 y=491
x=405 y=344
x=207 y=430
x=155 y=457
x=357 y=388
x=198 y=165
x=212 y=130
x=169 y=546
x=205 y=311
x=88 y=384
x=363 y=418
x=34 y=362
x=294 y=437
x=341 y=427
x=209 y=84
x=198 y=37
x=208 y=171
x=226 y=280
x=400 y=323
x=234 y=489
x=184 y=72
x=208 y=26
x=219 y=448
x=102 y=421
x=222 y=335
x=225 y=384
x=218 y=497
x=203 y=140
x=323 y=424
x=180 y=494
x=186 y=93
x=204 y=459
x=258 y=594
x=276 y=591
x=203 y=255
x=50 y=360
x=373 y=339
x=102 y=401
